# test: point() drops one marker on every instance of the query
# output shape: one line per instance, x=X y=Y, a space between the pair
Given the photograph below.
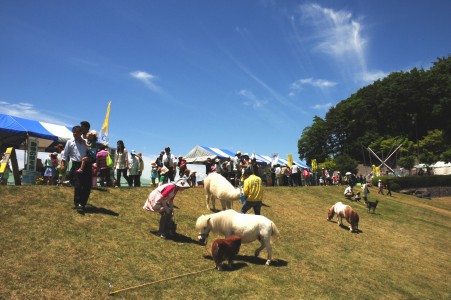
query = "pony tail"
x=274 y=232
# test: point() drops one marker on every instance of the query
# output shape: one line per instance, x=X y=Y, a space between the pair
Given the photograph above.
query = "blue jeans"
x=256 y=205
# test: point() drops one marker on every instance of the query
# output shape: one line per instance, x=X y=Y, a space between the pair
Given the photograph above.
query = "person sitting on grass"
x=91 y=153
x=348 y=193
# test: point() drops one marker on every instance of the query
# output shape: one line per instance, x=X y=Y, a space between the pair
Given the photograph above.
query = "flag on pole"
x=290 y=160
x=103 y=136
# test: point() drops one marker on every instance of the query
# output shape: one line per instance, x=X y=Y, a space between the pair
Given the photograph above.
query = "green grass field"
x=49 y=251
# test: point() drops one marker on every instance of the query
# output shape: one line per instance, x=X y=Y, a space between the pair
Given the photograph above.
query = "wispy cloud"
x=148 y=79
x=296 y=86
x=251 y=100
x=324 y=107
x=372 y=76
x=28 y=111
x=340 y=35
x=337 y=32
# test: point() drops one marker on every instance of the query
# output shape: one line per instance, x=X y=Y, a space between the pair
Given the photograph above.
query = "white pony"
x=218 y=187
x=248 y=227
x=344 y=211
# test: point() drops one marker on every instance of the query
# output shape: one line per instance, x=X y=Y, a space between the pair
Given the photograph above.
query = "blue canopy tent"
x=32 y=137
x=15 y=132
x=285 y=162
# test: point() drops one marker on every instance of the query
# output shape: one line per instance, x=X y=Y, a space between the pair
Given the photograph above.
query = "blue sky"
x=240 y=75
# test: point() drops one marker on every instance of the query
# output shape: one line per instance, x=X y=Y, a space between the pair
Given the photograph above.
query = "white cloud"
x=148 y=79
x=296 y=86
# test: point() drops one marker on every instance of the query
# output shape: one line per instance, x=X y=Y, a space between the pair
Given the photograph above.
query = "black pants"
x=166 y=226
x=118 y=176
x=82 y=182
x=105 y=177
x=134 y=180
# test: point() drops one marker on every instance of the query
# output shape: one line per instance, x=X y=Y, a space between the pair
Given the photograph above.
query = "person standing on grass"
x=133 y=169
x=366 y=191
x=141 y=168
x=51 y=163
x=161 y=200
x=82 y=181
x=170 y=162
x=121 y=163
x=253 y=192
x=104 y=171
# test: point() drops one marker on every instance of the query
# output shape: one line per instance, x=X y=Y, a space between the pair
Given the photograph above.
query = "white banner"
x=32 y=152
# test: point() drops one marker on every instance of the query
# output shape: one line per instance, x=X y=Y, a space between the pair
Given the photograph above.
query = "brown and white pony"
x=346 y=212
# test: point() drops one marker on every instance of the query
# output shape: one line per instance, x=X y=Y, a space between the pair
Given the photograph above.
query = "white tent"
x=441 y=168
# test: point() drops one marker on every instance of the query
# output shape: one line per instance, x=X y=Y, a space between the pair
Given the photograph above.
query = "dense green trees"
x=412 y=108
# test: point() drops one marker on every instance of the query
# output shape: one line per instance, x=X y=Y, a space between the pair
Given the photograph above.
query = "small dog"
x=225 y=249
x=371 y=205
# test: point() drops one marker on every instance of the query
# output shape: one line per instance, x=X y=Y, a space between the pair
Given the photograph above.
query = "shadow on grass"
x=235 y=266
x=347 y=228
x=179 y=238
x=261 y=261
x=91 y=209
x=100 y=189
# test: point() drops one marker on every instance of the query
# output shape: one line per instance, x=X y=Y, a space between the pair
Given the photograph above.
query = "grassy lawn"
x=49 y=251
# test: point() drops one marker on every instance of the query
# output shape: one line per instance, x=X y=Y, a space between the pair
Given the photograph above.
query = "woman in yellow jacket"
x=253 y=192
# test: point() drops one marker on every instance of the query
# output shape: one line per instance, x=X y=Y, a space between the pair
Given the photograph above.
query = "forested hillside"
x=412 y=108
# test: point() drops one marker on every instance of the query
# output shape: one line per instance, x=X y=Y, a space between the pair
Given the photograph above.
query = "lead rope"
x=158 y=281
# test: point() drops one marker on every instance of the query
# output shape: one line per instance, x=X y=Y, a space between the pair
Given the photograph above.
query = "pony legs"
x=209 y=197
x=265 y=243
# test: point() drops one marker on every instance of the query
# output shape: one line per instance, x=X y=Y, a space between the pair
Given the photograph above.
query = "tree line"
x=409 y=108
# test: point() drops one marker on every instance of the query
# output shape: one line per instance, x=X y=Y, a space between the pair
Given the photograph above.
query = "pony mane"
x=221 y=220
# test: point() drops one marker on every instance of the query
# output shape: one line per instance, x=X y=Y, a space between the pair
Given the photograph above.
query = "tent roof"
x=199 y=154
x=15 y=130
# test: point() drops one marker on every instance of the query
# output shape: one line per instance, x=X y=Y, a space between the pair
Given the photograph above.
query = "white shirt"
x=74 y=150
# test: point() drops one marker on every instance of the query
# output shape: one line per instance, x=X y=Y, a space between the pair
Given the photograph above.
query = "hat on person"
x=246 y=154
x=162 y=152
x=93 y=132
x=153 y=163
x=133 y=152
x=217 y=160
x=182 y=182
x=238 y=153
x=55 y=154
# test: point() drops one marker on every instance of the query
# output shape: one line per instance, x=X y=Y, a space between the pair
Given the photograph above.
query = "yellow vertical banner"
x=314 y=165
x=103 y=135
x=290 y=160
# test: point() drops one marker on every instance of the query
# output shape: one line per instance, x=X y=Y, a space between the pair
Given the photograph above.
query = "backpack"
x=109 y=161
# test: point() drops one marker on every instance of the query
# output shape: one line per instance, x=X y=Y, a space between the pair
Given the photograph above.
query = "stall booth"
x=32 y=137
